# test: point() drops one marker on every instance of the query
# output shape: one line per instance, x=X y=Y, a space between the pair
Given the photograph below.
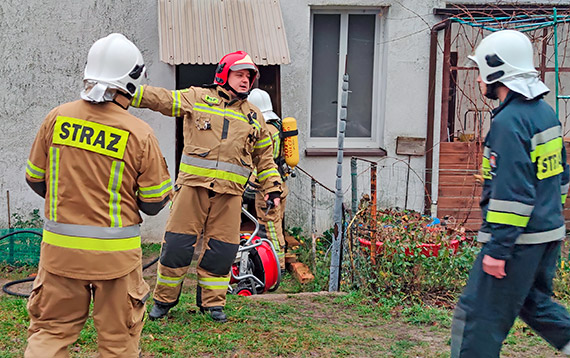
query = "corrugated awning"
x=203 y=31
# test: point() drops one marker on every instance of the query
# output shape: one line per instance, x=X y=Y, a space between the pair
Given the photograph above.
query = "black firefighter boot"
x=216 y=312
x=158 y=310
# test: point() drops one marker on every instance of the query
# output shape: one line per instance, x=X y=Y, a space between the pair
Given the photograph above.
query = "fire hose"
x=6 y=289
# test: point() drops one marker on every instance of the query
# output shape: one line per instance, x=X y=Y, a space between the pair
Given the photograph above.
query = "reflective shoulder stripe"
x=137 y=98
x=35 y=171
x=237 y=115
x=546 y=142
x=218 y=283
x=204 y=108
x=168 y=281
x=156 y=191
x=114 y=188
x=92 y=238
x=530 y=238
x=514 y=207
x=265 y=142
x=545 y=136
x=507 y=218
x=53 y=181
x=267 y=173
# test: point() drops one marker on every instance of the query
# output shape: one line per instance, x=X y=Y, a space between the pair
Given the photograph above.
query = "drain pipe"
x=431 y=110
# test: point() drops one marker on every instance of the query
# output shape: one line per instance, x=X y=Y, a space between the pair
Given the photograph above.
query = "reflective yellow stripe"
x=169 y=281
x=548 y=147
x=276 y=145
x=564 y=198
x=213 y=173
x=156 y=191
x=268 y=173
x=137 y=98
x=34 y=171
x=53 y=182
x=218 y=283
x=266 y=142
x=92 y=244
x=114 y=188
x=486 y=168
x=199 y=107
x=507 y=219
x=273 y=235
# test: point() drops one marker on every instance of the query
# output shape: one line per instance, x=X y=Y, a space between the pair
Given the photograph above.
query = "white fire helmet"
x=504 y=54
x=113 y=63
x=261 y=100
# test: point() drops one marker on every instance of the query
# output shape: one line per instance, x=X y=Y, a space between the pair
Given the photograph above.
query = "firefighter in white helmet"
x=225 y=138
x=96 y=165
x=271 y=218
x=525 y=186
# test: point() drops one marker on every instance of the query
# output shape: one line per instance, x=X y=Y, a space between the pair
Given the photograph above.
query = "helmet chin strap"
x=240 y=95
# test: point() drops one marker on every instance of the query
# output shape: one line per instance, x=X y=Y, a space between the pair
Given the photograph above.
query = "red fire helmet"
x=235 y=61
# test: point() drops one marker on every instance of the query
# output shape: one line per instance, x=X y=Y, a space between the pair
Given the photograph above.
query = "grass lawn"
x=287 y=323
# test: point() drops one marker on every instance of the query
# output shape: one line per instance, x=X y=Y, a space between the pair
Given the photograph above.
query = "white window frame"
x=376 y=139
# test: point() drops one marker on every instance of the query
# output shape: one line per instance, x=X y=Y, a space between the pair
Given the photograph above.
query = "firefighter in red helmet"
x=225 y=139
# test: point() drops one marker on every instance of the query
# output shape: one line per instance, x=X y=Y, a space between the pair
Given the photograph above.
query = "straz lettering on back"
x=91 y=136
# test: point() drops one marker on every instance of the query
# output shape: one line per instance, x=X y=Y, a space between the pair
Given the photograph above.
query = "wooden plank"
x=459 y=203
x=290 y=258
x=301 y=272
x=292 y=242
x=455 y=158
x=460 y=147
x=459 y=191
x=463 y=180
x=410 y=146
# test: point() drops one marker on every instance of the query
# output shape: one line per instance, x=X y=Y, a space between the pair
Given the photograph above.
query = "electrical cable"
x=6 y=286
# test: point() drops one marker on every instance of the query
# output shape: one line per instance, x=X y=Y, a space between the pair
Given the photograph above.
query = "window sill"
x=348 y=152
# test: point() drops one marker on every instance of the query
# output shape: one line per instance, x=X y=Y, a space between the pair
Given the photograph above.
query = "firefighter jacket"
x=224 y=139
x=526 y=177
x=97 y=166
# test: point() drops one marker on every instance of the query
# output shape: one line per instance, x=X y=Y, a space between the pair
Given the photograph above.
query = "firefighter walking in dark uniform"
x=525 y=186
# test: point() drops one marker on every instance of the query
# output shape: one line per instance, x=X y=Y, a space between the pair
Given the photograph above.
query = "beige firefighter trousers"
x=59 y=306
x=271 y=224
x=199 y=214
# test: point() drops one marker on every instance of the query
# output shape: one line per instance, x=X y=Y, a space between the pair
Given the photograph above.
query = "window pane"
x=361 y=71
x=324 y=91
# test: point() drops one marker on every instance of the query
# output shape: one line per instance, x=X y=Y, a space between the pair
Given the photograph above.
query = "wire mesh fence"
x=20 y=247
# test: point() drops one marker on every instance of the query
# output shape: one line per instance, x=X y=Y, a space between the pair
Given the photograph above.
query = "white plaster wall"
x=43 y=49
x=407 y=37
